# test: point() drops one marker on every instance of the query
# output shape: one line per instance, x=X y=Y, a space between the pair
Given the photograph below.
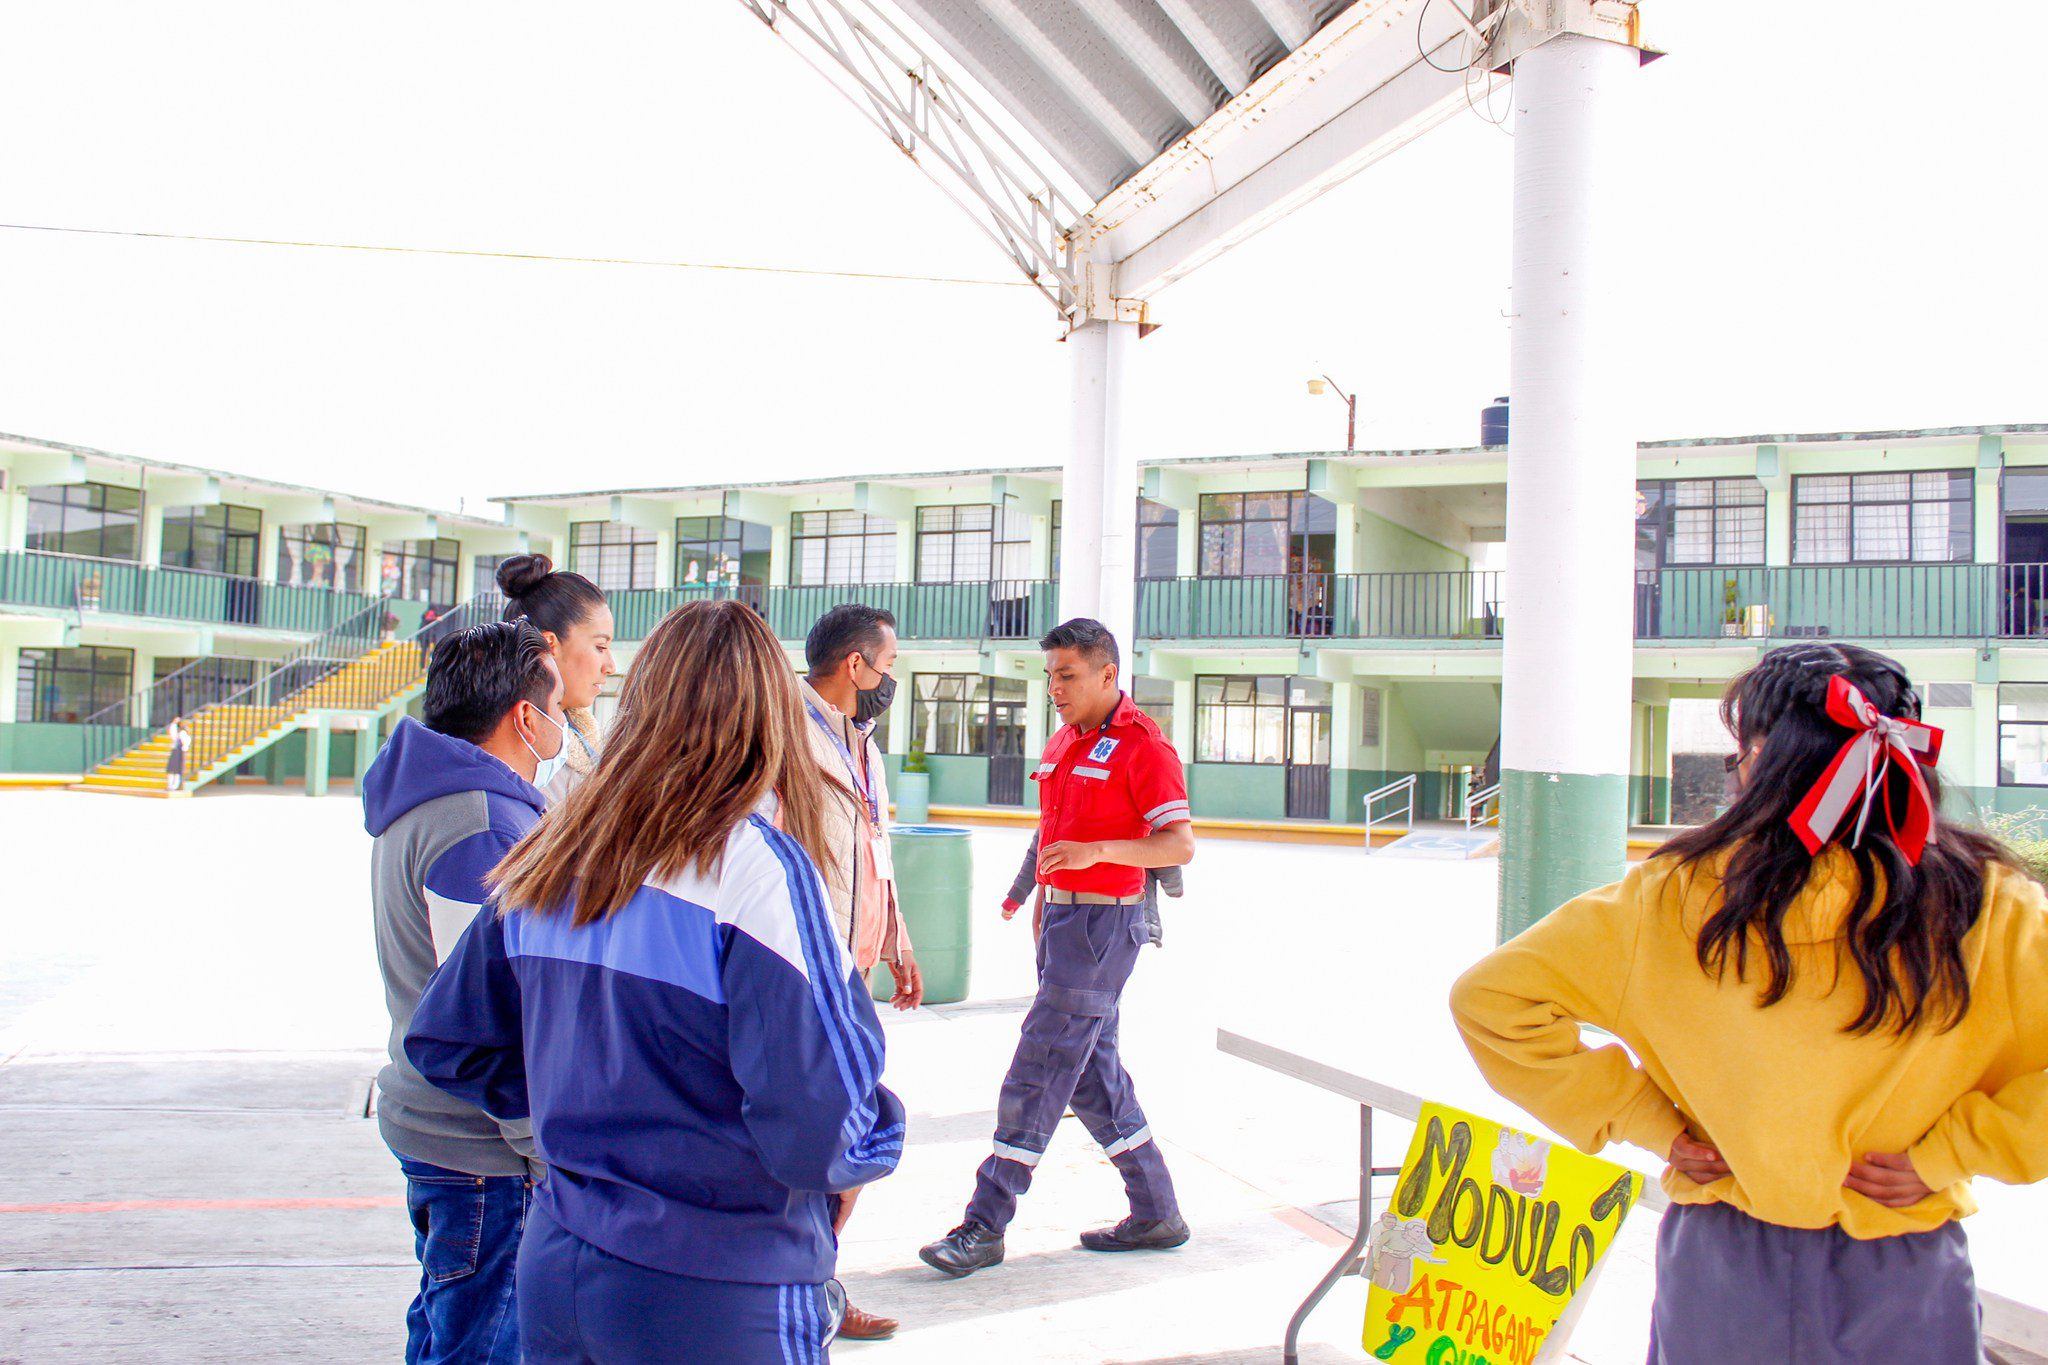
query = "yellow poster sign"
x=1488 y=1235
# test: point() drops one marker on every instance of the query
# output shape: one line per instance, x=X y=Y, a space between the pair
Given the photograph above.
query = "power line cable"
x=882 y=276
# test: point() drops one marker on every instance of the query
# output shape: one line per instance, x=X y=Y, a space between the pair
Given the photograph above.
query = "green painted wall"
x=32 y=747
x=958 y=780
x=1387 y=547
x=1238 y=791
x=291 y=752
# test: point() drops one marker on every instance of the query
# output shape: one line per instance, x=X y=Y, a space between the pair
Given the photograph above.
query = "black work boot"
x=964 y=1250
x=1138 y=1234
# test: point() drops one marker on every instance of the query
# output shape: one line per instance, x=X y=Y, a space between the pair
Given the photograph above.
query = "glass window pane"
x=2023 y=755
x=1222 y=506
x=1693 y=493
x=1272 y=734
x=1265 y=548
x=1820 y=535
x=2023 y=701
x=1883 y=532
x=1883 y=487
x=1222 y=550
x=1825 y=488
x=1692 y=536
x=1739 y=535
x=1209 y=742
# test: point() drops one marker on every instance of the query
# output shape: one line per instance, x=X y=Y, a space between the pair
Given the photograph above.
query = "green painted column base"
x=1561 y=835
x=319 y=745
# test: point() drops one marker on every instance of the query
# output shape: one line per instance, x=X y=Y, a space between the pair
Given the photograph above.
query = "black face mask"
x=873 y=701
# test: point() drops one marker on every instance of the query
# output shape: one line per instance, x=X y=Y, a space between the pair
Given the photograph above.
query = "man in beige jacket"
x=850 y=652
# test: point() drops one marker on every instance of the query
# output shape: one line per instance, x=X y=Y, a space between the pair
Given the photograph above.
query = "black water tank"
x=1493 y=423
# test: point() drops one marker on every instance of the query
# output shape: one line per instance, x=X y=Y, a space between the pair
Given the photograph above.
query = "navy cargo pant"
x=1067 y=1055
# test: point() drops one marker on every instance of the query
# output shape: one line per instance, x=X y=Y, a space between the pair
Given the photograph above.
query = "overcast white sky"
x=1841 y=215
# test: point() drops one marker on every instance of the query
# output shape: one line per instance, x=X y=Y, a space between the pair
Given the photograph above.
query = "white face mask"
x=545 y=769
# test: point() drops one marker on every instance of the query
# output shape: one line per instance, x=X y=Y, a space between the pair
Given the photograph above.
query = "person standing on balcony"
x=443 y=802
x=848 y=690
x=1834 y=1006
x=174 y=760
x=1113 y=802
x=571 y=613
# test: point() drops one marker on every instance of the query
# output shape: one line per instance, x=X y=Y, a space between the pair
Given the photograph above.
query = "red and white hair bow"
x=1860 y=770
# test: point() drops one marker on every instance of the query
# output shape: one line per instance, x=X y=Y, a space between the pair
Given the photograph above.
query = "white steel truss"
x=869 y=58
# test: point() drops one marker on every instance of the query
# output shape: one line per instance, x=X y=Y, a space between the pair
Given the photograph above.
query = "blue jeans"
x=466 y=1231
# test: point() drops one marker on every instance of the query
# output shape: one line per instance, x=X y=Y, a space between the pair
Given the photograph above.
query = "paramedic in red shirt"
x=1112 y=802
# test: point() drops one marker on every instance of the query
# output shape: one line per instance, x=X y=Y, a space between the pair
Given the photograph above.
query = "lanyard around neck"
x=860 y=784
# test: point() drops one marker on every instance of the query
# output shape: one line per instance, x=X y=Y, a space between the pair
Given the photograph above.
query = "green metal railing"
x=1848 y=601
x=134 y=719
x=1005 y=610
x=122 y=587
x=1454 y=605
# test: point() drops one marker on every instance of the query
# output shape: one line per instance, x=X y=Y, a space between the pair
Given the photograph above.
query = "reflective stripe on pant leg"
x=1106 y=1100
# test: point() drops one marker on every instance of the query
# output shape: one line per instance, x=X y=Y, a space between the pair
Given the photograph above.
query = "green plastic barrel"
x=935 y=887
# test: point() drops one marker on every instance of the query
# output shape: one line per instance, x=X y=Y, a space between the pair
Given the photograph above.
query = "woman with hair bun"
x=570 y=611
x=1835 y=1010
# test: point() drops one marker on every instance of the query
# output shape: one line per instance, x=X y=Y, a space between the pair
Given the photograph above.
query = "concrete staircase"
x=231 y=732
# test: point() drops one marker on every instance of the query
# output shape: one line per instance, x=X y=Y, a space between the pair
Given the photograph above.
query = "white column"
x=1571 y=477
x=1100 y=496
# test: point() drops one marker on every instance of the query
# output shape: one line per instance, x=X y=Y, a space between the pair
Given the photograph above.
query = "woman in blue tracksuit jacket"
x=661 y=992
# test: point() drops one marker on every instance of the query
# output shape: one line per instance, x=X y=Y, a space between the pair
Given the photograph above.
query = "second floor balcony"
x=82 y=587
x=1882 y=602
x=1879 y=602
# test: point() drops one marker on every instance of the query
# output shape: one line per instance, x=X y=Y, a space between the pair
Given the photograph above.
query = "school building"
x=1312 y=628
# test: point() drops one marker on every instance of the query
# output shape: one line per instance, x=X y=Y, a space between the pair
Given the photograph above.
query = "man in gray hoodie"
x=444 y=802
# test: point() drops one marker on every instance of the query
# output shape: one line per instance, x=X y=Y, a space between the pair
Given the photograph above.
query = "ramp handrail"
x=1475 y=806
x=1399 y=788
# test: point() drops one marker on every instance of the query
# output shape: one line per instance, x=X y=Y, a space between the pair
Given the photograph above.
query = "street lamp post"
x=1317 y=386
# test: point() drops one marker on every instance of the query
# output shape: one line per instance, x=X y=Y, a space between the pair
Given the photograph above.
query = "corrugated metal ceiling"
x=1105 y=86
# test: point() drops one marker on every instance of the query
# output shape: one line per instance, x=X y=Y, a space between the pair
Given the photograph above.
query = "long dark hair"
x=710 y=723
x=556 y=601
x=1908 y=949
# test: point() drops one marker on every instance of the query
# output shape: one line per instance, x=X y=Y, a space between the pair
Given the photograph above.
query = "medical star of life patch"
x=1103 y=749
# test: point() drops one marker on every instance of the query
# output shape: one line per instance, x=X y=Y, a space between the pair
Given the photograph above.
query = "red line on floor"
x=377 y=1201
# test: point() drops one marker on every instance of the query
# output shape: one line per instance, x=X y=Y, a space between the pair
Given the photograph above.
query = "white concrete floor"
x=190 y=1015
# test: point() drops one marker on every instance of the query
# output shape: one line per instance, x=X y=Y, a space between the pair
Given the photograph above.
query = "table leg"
x=1291 y=1350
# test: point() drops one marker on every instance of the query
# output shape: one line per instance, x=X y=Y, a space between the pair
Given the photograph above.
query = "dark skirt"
x=1731 y=1288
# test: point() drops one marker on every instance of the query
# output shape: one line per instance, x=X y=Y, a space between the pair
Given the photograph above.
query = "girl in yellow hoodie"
x=1835 y=1008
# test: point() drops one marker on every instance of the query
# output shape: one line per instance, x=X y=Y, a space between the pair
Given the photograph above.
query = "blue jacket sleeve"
x=806 y=1045
x=465 y=1036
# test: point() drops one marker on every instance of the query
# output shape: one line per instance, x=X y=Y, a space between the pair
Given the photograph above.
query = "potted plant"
x=390 y=627
x=1731 y=609
x=914 y=788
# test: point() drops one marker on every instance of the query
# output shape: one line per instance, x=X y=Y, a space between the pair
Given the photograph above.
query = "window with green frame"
x=98 y=520
x=1910 y=518
x=2023 y=735
x=949 y=713
x=322 y=555
x=1257 y=535
x=721 y=552
x=222 y=538
x=841 y=548
x=1241 y=719
x=1158 y=539
x=66 y=686
x=1154 y=697
x=616 y=558
x=421 y=570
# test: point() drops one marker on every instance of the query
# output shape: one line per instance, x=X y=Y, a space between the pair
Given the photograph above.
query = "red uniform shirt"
x=1120 y=780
